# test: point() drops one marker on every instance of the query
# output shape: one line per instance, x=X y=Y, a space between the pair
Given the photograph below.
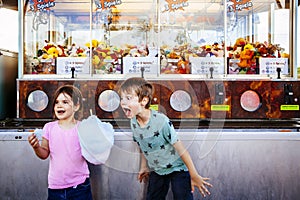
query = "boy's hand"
x=202 y=184
x=33 y=141
x=143 y=175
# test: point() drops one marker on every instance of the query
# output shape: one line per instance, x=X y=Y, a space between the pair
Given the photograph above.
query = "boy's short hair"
x=140 y=86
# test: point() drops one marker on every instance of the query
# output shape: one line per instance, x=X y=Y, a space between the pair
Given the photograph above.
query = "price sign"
x=270 y=65
x=202 y=65
x=64 y=65
x=132 y=65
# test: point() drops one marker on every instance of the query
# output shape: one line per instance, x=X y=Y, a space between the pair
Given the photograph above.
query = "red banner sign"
x=238 y=5
x=173 y=5
x=40 y=5
x=106 y=4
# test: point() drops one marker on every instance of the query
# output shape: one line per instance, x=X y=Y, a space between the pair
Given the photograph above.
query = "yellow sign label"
x=220 y=107
x=154 y=107
x=289 y=107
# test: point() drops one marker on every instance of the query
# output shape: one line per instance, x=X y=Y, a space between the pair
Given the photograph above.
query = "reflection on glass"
x=180 y=100
x=37 y=100
x=109 y=100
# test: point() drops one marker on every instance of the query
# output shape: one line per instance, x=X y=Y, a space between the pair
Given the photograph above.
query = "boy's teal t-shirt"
x=156 y=141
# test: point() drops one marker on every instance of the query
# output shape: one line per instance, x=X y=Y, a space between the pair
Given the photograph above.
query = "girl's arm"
x=41 y=150
x=196 y=179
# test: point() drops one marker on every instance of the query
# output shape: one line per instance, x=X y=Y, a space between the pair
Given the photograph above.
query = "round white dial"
x=37 y=100
x=109 y=100
x=180 y=100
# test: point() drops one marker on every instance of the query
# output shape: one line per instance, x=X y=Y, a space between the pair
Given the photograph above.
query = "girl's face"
x=64 y=107
x=130 y=104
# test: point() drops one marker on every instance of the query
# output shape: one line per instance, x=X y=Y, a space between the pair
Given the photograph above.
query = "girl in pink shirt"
x=68 y=176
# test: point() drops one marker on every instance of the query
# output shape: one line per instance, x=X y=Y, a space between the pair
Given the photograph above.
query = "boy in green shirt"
x=164 y=159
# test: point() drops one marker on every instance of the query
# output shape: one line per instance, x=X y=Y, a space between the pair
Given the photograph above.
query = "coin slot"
x=219 y=93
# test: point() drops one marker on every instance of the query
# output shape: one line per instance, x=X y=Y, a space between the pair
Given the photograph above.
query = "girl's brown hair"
x=75 y=95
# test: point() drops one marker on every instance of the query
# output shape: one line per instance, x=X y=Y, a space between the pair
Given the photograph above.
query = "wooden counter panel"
x=96 y=88
x=193 y=88
x=277 y=98
x=210 y=94
x=25 y=88
x=101 y=87
x=49 y=87
x=262 y=88
x=202 y=93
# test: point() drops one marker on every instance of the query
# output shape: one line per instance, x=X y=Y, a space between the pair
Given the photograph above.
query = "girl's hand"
x=202 y=184
x=33 y=141
x=143 y=175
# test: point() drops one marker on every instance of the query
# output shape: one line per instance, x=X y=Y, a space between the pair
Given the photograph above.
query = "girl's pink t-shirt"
x=67 y=167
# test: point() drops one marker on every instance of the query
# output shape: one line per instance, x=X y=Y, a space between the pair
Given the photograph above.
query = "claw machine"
x=224 y=72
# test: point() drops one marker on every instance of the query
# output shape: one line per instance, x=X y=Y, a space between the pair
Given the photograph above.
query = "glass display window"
x=55 y=36
x=232 y=38
x=259 y=38
x=125 y=37
x=191 y=30
x=116 y=38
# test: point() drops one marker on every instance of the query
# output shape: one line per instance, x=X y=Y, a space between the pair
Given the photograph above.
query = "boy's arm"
x=144 y=171
x=196 y=179
x=41 y=150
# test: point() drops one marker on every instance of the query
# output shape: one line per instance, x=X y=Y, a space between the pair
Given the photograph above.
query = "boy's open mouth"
x=127 y=111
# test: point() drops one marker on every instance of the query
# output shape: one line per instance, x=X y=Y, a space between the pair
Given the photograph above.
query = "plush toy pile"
x=173 y=60
x=243 y=54
x=44 y=61
x=247 y=55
